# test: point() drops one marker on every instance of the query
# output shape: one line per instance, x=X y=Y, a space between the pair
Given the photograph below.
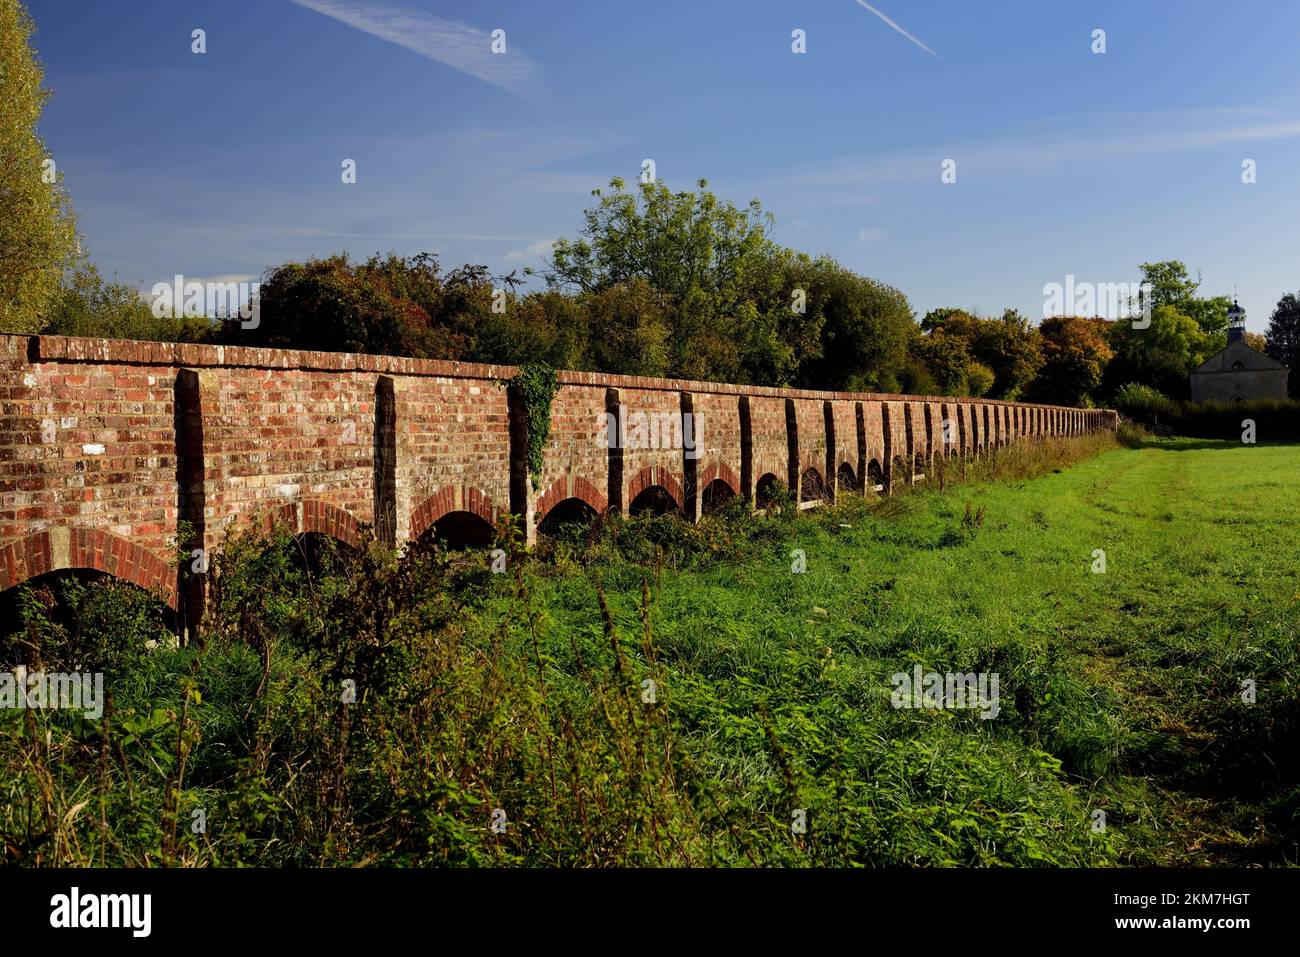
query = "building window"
x=1237 y=366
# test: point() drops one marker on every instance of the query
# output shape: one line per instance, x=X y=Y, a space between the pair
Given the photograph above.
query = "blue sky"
x=1068 y=162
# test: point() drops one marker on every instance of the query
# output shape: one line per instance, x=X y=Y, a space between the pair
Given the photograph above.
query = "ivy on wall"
x=536 y=384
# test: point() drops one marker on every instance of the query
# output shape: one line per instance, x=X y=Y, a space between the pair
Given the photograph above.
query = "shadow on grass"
x=1192 y=445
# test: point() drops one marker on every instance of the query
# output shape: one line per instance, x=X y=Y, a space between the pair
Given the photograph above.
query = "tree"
x=1283 y=338
x=37 y=231
x=1160 y=355
x=1172 y=286
x=332 y=305
x=709 y=265
x=1010 y=346
x=863 y=330
x=1007 y=346
x=629 y=333
x=1076 y=352
x=1170 y=283
x=947 y=360
x=86 y=305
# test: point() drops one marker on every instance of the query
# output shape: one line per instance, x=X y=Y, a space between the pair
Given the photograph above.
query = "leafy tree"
x=863 y=330
x=947 y=359
x=708 y=263
x=334 y=306
x=1076 y=352
x=37 y=231
x=1172 y=286
x=86 y=305
x=629 y=333
x=1161 y=355
x=1008 y=346
x=1170 y=283
x=979 y=379
x=1282 y=340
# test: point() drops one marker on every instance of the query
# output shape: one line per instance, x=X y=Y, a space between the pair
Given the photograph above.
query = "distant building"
x=1238 y=373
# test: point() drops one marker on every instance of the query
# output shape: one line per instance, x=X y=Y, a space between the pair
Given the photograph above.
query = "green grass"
x=1130 y=679
x=1119 y=692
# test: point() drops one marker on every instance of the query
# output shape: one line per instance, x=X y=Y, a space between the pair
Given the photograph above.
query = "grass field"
x=1130 y=679
x=523 y=698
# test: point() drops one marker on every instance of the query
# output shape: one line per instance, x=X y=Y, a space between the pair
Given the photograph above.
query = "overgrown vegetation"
x=536 y=385
x=529 y=692
x=1268 y=420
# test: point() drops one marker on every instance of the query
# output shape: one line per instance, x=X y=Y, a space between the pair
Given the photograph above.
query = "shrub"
x=1143 y=402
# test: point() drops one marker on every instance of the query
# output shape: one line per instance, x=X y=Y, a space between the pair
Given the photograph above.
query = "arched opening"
x=461 y=530
x=812 y=488
x=653 y=500
x=875 y=476
x=317 y=553
x=765 y=492
x=918 y=464
x=845 y=478
x=81 y=619
x=716 y=494
x=901 y=471
x=566 y=514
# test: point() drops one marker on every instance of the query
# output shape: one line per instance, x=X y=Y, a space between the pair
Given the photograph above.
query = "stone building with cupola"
x=1238 y=373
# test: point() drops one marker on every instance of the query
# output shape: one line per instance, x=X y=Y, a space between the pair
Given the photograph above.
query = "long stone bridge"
x=109 y=447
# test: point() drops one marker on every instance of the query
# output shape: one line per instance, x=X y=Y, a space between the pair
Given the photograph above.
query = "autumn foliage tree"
x=1075 y=354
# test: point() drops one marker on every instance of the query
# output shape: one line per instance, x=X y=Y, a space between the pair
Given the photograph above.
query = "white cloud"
x=870 y=235
x=531 y=251
x=454 y=44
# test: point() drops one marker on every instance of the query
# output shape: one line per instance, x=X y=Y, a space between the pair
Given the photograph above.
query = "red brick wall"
x=644 y=467
x=872 y=419
x=719 y=441
x=810 y=420
x=292 y=443
x=453 y=451
x=576 y=462
x=106 y=445
x=91 y=447
x=768 y=435
x=845 y=415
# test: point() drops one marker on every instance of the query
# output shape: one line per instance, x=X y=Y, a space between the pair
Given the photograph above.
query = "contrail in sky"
x=450 y=42
x=861 y=3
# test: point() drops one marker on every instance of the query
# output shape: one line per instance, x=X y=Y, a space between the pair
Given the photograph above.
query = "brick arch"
x=452 y=498
x=821 y=478
x=60 y=547
x=720 y=470
x=314 y=515
x=855 y=478
x=655 y=475
x=560 y=489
